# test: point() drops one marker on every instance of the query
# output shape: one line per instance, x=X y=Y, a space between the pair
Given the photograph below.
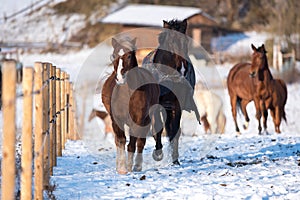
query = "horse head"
x=124 y=58
x=259 y=61
x=173 y=40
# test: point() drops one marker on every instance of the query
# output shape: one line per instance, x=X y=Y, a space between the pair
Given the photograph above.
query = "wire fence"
x=49 y=120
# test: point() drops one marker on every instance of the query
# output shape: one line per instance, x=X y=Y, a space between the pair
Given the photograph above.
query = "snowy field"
x=212 y=166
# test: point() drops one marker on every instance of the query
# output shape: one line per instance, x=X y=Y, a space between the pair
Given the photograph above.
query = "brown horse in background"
x=241 y=89
x=128 y=101
x=272 y=93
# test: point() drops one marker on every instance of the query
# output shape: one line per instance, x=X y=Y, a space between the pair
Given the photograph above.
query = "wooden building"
x=144 y=22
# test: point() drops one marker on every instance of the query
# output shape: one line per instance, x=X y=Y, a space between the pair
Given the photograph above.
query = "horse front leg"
x=120 y=141
x=157 y=129
x=131 y=150
x=258 y=113
x=264 y=111
x=139 y=156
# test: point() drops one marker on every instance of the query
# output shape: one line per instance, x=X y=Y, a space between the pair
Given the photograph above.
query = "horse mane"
x=127 y=45
x=178 y=45
x=126 y=42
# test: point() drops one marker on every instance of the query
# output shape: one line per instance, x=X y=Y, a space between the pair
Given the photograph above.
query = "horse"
x=272 y=93
x=175 y=74
x=105 y=117
x=129 y=101
x=210 y=107
x=242 y=90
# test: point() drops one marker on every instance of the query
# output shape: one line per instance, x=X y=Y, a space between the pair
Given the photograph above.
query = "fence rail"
x=48 y=121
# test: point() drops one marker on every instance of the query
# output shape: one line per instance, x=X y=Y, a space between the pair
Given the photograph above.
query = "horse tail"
x=284 y=93
x=238 y=104
x=284 y=116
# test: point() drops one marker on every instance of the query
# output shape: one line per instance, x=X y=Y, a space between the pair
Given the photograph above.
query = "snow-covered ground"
x=212 y=166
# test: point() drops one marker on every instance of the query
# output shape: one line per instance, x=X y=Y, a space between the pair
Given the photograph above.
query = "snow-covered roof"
x=150 y=15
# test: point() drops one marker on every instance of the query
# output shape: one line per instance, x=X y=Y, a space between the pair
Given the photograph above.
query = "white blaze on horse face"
x=120 y=77
x=182 y=69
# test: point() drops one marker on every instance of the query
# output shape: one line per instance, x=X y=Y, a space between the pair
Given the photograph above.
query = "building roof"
x=150 y=15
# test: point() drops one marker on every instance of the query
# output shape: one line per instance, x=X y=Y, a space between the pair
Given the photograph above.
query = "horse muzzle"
x=252 y=74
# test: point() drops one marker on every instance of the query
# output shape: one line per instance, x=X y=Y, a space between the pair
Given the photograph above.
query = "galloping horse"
x=272 y=93
x=128 y=101
x=174 y=72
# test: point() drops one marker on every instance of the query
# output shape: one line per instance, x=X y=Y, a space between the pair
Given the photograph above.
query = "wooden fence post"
x=38 y=132
x=63 y=109
x=26 y=176
x=51 y=120
x=71 y=113
x=46 y=134
x=53 y=117
x=9 y=136
x=67 y=88
x=58 y=113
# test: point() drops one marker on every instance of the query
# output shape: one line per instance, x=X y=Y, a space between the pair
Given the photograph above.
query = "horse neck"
x=266 y=76
x=134 y=62
x=164 y=57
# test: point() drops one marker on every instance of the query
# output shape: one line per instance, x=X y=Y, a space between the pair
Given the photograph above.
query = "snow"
x=149 y=14
x=212 y=166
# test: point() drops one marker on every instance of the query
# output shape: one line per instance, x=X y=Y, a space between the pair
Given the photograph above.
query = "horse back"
x=239 y=82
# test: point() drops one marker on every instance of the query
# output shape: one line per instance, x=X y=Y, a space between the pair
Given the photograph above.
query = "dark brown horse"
x=272 y=93
x=173 y=70
x=128 y=101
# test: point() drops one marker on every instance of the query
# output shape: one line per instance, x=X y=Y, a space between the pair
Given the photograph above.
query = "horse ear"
x=184 y=25
x=114 y=42
x=166 y=24
x=253 y=47
x=134 y=41
x=263 y=48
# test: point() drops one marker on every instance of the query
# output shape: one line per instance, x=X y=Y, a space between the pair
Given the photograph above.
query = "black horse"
x=172 y=68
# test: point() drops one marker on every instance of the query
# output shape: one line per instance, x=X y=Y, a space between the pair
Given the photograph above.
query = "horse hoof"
x=176 y=162
x=122 y=172
x=137 y=168
x=157 y=155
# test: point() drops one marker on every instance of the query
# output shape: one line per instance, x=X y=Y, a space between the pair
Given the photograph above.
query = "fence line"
x=54 y=122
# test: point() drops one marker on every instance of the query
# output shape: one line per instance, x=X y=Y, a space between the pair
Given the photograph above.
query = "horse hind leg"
x=174 y=133
x=245 y=113
x=157 y=129
x=277 y=119
x=233 y=102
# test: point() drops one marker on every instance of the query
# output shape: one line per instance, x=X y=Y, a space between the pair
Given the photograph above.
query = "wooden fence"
x=48 y=121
